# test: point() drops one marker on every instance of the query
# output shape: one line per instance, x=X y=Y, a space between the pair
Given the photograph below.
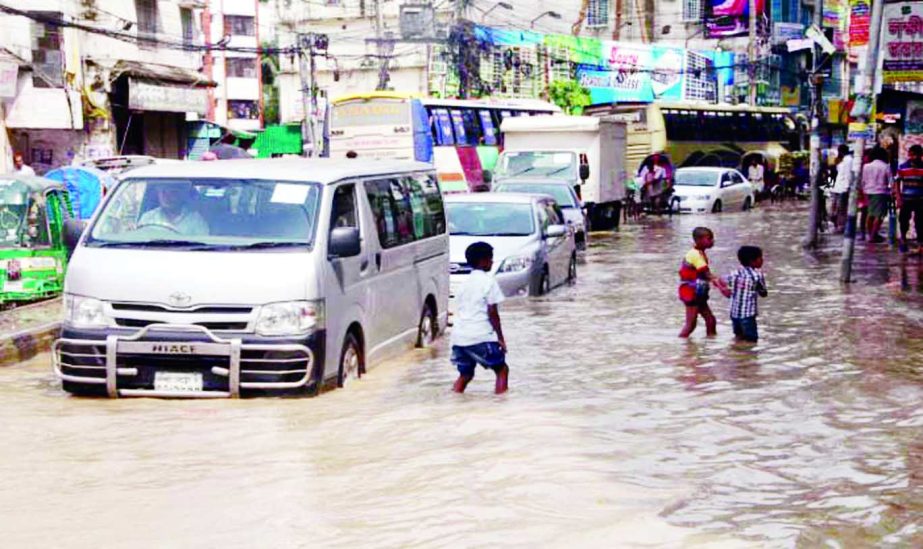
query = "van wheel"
x=426 y=332
x=572 y=270
x=350 y=361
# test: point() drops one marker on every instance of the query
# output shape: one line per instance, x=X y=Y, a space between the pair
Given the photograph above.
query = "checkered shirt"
x=745 y=283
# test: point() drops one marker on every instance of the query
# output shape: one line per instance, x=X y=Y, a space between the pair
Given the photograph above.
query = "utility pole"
x=308 y=93
x=865 y=101
x=810 y=239
x=751 y=55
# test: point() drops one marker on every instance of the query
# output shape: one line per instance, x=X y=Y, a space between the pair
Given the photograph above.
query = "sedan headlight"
x=705 y=197
x=515 y=263
x=84 y=312
x=290 y=318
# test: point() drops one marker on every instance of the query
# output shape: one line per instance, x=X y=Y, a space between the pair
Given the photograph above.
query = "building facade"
x=238 y=102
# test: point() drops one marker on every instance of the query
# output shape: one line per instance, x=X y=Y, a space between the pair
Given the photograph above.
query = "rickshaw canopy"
x=86 y=186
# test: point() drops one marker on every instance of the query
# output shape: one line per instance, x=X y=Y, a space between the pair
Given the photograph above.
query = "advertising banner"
x=860 y=13
x=625 y=74
x=902 y=42
x=9 y=74
x=730 y=17
x=668 y=73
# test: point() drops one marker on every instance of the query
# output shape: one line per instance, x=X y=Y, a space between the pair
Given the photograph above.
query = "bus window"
x=474 y=135
x=458 y=124
x=489 y=129
x=442 y=124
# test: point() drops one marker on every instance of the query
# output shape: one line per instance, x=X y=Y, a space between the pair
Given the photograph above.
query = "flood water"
x=615 y=432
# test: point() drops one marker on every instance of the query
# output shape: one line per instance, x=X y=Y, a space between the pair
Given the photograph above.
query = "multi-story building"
x=102 y=77
x=238 y=95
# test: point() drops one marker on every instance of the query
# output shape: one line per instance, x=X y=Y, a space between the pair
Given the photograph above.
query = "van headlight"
x=84 y=312
x=515 y=263
x=290 y=318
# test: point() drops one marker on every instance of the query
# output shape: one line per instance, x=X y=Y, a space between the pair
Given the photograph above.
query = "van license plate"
x=177 y=382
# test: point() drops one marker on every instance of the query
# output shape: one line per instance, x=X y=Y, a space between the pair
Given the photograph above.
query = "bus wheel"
x=350 y=361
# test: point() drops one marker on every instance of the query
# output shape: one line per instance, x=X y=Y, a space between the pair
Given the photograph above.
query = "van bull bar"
x=129 y=357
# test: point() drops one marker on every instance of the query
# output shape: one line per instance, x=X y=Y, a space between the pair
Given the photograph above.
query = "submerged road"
x=615 y=432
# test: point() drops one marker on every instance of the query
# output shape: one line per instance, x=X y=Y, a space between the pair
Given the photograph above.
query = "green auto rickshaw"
x=33 y=256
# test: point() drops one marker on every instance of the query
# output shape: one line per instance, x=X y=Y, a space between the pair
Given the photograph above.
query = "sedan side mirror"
x=555 y=231
x=344 y=242
x=73 y=230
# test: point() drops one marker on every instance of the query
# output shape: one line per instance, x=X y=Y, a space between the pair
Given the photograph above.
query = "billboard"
x=902 y=42
x=731 y=17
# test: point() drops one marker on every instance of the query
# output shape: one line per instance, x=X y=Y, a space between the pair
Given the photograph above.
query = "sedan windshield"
x=490 y=219
x=561 y=193
x=695 y=178
x=204 y=214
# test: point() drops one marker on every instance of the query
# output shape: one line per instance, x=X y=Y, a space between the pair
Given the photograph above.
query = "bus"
x=460 y=137
x=693 y=134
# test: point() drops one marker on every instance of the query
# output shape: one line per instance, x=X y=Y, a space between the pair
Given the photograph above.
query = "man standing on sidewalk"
x=840 y=188
x=20 y=166
x=908 y=196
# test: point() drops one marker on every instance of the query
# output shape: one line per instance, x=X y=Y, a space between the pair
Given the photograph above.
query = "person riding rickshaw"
x=655 y=183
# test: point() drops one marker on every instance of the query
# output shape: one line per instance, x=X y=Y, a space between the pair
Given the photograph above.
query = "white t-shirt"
x=472 y=325
x=25 y=170
x=189 y=222
x=841 y=185
x=755 y=174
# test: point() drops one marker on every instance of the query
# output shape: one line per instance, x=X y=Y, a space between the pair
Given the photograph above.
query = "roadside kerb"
x=25 y=343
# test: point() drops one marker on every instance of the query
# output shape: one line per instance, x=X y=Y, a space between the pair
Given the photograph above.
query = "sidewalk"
x=29 y=330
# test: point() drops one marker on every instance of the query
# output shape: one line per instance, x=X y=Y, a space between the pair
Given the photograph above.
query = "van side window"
x=390 y=202
x=343 y=212
x=426 y=204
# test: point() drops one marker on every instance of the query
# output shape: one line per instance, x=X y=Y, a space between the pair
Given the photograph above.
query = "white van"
x=209 y=279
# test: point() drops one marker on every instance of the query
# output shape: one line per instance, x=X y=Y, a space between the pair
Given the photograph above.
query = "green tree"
x=570 y=96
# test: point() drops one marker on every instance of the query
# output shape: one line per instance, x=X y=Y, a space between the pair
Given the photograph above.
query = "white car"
x=712 y=190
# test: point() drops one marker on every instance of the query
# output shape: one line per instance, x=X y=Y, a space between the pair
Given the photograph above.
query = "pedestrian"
x=477 y=337
x=756 y=173
x=695 y=281
x=876 y=186
x=908 y=196
x=746 y=283
x=840 y=188
x=20 y=166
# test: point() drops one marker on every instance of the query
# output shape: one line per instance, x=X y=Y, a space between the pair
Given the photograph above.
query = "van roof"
x=317 y=170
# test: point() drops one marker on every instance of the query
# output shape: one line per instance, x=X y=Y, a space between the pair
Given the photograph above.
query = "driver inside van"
x=175 y=211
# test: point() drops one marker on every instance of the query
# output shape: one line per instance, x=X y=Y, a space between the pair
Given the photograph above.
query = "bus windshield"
x=208 y=214
x=558 y=165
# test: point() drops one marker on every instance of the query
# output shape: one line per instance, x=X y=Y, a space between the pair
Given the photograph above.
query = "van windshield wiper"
x=269 y=245
x=150 y=244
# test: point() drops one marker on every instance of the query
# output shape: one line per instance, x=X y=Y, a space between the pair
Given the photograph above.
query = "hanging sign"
x=902 y=42
x=859 y=19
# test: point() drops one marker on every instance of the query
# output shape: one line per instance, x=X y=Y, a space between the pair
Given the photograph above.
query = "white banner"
x=143 y=96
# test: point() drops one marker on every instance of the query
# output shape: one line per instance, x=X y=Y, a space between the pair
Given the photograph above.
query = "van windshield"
x=490 y=219
x=208 y=214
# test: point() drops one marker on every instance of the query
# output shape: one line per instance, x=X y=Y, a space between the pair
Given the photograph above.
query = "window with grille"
x=239 y=25
x=148 y=16
x=597 y=14
x=242 y=109
x=241 y=67
x=700 y=78
x=47 y=53
x=185 y=16
x=693 y=10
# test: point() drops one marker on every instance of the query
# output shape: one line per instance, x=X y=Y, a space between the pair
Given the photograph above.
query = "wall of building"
x=235 y=88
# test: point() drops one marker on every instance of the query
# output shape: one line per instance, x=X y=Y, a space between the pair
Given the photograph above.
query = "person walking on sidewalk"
x=908 y=196
x=876 y=185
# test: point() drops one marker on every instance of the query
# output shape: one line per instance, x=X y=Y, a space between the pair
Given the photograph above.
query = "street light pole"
x=306 y=72
x=550 y=13
x=865 y=93
x=810 y=239
x=751 y=55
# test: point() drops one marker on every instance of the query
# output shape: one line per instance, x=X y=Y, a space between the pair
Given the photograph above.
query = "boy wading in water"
x=477 y=337
x=695 y=278
x=746 y=284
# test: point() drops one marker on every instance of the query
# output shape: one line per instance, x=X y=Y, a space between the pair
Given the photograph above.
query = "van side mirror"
x=344 y=242
x=555 y=231
x=73 y=230
x=584 y=172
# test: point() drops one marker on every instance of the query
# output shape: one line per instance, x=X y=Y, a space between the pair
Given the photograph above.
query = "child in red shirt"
x=695 y=279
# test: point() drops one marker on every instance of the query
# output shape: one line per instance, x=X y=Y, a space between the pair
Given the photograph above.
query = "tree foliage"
x=570 y=96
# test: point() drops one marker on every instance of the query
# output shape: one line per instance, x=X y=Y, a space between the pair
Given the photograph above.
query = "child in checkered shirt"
x=746 y=283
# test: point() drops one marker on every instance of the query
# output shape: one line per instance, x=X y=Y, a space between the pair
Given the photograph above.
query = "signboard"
x=783 y=32
x=144 y=96
x=914 y=123
x=9 y=73
x=724 y=18
x=902 y=42
x=860 y=13
x=860 y=130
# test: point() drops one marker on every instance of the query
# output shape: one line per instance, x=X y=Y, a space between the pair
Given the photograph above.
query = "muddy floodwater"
x=615 y=432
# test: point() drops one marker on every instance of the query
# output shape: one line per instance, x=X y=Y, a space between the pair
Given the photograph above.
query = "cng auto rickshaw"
x=33 y=257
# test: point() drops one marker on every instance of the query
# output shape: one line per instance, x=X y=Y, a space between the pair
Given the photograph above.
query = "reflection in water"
x=615 y=431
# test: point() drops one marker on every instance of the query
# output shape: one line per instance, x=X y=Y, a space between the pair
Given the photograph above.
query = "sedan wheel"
x=572 y=270
x=717 y=207
x=748 y=203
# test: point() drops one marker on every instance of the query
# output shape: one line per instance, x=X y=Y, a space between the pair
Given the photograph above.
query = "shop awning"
x=165 y=74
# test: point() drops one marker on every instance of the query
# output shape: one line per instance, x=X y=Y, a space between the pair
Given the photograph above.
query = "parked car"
x=563 y=195
x=713 y=190
x=534 y=249
x=212 y=279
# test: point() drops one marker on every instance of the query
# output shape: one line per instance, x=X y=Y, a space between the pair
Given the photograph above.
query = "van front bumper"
x=129 y=363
